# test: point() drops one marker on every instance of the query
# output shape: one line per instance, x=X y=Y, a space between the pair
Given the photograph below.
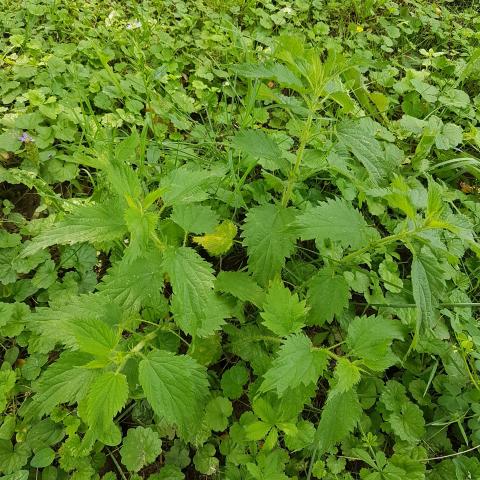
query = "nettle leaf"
x=133 y=284
x=188 y=184
x=241 y=285
x=141 y=446
x=220 y=240
x=269 y=240
x=369 y=338
x=339 y=417
x=335 y=220
x=196 y=307
x=176 y=387
x=327 y=296
x=283 y=312
x=298 y=363
x=380 y=159
x=106 y=397
x=262 y=147
x=347 y=375
x=422 y=295
x=194 y=218
x=95 y=337
x=65 y=381
x=97 y=223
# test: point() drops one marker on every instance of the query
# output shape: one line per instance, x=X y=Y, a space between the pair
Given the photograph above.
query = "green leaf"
x=9 y=142
x=188 y=184
x=106 y=397
x=269 y=240
x=241 y=285
x=283 y=313
x=327 y=296
x=369 y=338
x=63 y=382
x=141 y=446
x=422 y=295
x=134 y=284
x=194 y=218
x=89 y=223
x=408 y=423
x=7 y=382
x=358 y=136
x=262 y=147
x=95 y=337
x=335 y=220
x=233 y=380
x=339 y=417
x=196 y=307
x=43 y=458
x=176 y=387
x=13 y=458
x=298 y=363
x=217 y=412
x=347 y=375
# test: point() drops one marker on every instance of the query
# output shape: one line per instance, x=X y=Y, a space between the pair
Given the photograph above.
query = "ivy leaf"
x=283 y=313
x=298 y=363
x=269 y=240
x=408 y=423
x=241 y=285
x=262 y=147
x=141 y=446
x=369 y=338
x=97 y=223
x=217 y=412
x=12 y=459
x=335 y=220
x=106 y=397
x=197 y=309
x=176 y=387
x=194 y=218
x=327 y=296
x=339 y=417
x=220 y=240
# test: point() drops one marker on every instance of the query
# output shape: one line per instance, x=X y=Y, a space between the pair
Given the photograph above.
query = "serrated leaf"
x=422 y=295
x=335 y=220
x=283 y=312
x=233 y=380
x=194 y=218
x=89 y=223
x=220 y=240
x=63 y=382
x=241 y=285
x=141 y=446
x=95 y=337
x=262 y=147
x=197 y=309
x=327 y=296
x=13 y=458
x=133 y=284
x=347 y=375
x=298 y=363
x=188 y=184
x=369 y=338
x=7 y=382
x=106 y=397
x=339 y=417
x=217 y=412
x=269 y=240
x=176 y=387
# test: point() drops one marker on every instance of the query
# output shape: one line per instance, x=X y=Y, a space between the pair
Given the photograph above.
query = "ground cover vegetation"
x=239 y=240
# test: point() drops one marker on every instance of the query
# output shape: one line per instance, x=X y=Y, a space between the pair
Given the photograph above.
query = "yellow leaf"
x=220 y=240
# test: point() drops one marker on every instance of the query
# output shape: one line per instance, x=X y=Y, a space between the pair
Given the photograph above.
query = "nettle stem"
x=304 y=137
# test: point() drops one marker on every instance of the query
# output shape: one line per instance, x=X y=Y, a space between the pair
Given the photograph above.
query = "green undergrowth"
x=239 y=240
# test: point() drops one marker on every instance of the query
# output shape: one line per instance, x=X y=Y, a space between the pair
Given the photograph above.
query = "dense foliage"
x=239 y=240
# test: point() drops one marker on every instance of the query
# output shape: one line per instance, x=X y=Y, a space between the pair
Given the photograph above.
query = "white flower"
x=110 y=19
x=133 y=25
x=288 y=10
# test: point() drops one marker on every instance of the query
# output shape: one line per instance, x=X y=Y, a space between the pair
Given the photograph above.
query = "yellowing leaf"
x=220 y=241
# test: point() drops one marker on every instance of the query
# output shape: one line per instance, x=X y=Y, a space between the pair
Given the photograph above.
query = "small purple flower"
x=26 y=138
